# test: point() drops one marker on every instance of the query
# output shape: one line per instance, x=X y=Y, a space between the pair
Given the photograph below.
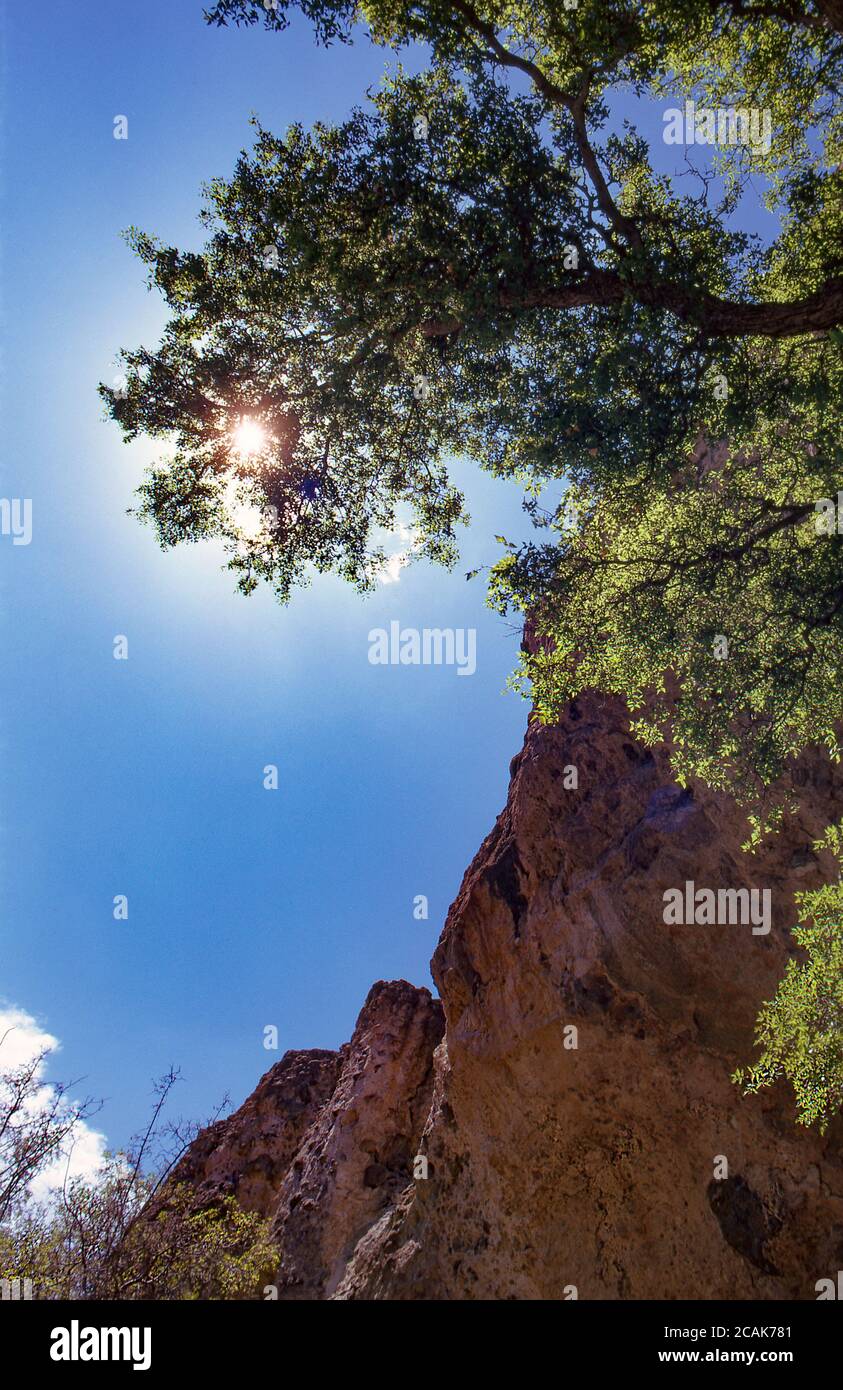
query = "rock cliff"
x=570 y=1098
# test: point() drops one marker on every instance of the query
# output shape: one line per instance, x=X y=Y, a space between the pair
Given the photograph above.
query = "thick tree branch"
x=574 y=105
x=830 y=15
x=714 y=317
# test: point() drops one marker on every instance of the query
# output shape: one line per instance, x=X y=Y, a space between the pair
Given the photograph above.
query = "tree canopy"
x=462 y=267
x=488 y=260
x=131 y=1229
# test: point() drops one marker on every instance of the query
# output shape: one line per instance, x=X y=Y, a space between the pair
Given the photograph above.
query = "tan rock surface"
x=248 y=1155
x=552 y=1167
x=358 y=1155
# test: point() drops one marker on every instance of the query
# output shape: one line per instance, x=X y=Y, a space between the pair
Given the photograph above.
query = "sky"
x=248 y=908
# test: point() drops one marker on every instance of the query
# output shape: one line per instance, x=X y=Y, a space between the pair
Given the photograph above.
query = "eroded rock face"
x=594 y=1167
x=249 y=1154
x=598 y=1166
x=358 y=1155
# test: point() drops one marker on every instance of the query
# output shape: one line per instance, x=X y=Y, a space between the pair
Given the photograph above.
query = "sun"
x=249 y=437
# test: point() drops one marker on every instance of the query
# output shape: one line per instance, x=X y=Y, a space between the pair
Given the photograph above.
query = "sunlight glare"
x=249 y=437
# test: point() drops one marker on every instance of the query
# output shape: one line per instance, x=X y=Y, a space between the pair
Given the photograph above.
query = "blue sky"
x=145 y=777
x=246 y=907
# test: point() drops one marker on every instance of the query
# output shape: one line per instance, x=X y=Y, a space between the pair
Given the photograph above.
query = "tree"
x=129 y=1232
x=86 y=1249
x=520 y=285
x=713 y=603
x=38 y=1123
x=800 y=1030
x=486 y=261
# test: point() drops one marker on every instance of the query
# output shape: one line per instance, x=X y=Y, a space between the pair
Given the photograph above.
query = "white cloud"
x=21 y=1039
x=390 y=570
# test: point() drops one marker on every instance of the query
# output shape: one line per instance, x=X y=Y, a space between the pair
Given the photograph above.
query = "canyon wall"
x=570 y=1097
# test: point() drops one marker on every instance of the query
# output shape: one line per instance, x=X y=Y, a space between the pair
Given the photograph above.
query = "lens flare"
x=249 y=437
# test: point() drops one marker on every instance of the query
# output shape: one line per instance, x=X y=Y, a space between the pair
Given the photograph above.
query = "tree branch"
x=714 y=317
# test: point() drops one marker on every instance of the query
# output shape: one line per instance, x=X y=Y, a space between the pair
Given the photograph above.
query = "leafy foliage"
x=515 y=282
x=711 y=599
x=130 y=1231
x=88 y=1247
x=485 y=262
x=800 y=1030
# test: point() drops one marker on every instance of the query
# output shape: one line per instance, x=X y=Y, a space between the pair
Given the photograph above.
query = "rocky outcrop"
x=326 y=1142
x=358 y=1155
x=248 y=1155
x=581 y=1133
